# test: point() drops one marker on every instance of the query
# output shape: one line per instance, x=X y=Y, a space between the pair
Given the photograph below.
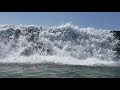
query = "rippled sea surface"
x=57 y=71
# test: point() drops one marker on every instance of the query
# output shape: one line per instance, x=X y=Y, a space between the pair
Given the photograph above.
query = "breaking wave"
x=64 y=44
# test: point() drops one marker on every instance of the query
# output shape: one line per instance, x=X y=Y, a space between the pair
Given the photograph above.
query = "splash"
x=64 y=44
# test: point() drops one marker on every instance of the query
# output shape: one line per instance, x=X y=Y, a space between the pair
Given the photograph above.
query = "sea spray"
x=64 y=44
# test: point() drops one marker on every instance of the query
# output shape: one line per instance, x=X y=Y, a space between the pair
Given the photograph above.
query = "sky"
x=99 y=20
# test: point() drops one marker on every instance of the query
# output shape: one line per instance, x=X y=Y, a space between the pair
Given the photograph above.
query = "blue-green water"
x=67 y=44
x=57 y=71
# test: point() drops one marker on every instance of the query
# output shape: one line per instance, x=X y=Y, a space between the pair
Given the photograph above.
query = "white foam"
x=68 y=44
x=36 y=59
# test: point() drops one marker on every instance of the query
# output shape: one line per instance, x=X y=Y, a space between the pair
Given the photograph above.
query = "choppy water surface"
x=57 y=71
x=60 y=51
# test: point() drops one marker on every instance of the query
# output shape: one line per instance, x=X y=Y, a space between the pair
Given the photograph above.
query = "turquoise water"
x=57 y=71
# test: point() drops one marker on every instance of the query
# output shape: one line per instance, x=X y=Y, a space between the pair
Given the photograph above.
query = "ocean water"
x=57 y=71
x=65 y=51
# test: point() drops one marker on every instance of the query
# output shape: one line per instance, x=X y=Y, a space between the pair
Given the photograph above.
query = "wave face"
x=64 y=44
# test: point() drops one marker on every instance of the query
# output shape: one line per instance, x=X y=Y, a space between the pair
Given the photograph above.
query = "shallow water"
x=57 y=71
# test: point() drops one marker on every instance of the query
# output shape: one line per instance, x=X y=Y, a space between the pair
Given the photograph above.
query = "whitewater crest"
x=66 y=44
